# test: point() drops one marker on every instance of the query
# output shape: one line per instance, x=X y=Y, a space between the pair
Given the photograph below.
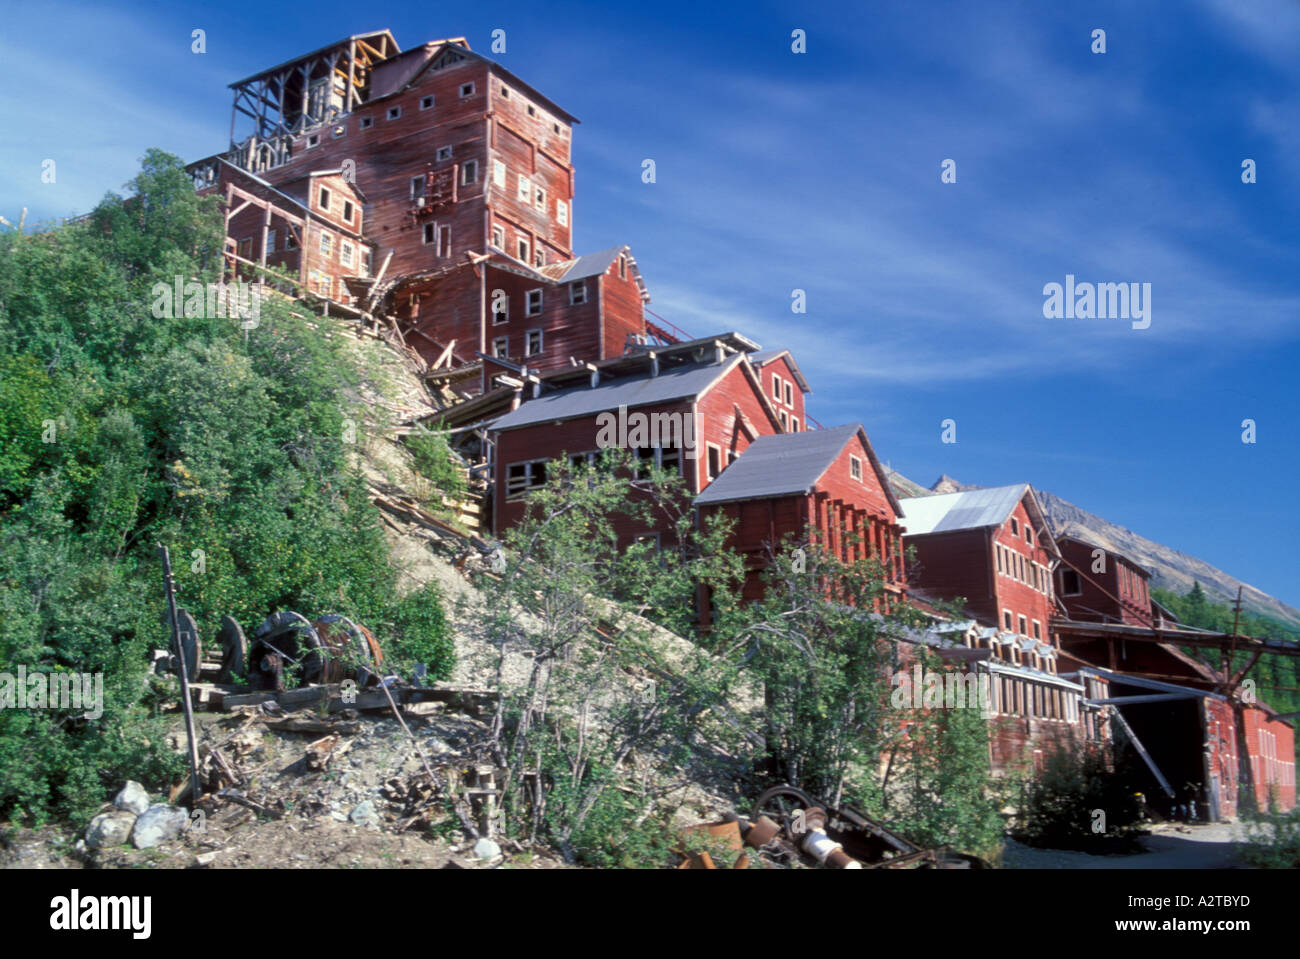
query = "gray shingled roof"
x=674 y=383
x=778 y=465
x=970 y=509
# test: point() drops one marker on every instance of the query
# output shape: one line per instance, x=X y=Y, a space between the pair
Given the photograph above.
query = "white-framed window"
x=394 y=112
x=417 y=187
x=789 y=394
x=313 y=140
x=339 y=129
x=1006 y=620
x=348 y=210
x=1038 y=630
x=524 y=191
x=367 y=122
x=505 y=93
x=501 y=347
x=785 y=423
x=442 y=153
x=500 y=308
x=498 y=173
x=561 y=213
x=430 y=233
x=365 y=261
x=323 y=198
x=523 y=250
x=855 y=468
x=467 y=90
x=346 y=253
x=326 y=243
x=776 y=388
x=1020 y=621
x=521 y=477
x=577 y=292
x=539 y=199
x=539 y=258
x=1015 y=526
x=499 y=237
x=426 y=103
x=533 y=343
x=534 y=303
x=794 y=424
x=622 y=267
x=469 y=172
x=532 y=110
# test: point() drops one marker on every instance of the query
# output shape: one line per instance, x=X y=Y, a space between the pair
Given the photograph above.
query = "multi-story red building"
x=991 y=547
x=1099 y=585
x=462 y=186
x=824 y=487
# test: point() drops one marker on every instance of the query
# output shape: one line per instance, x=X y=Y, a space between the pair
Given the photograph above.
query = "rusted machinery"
x=290 y=650
x=790 y=825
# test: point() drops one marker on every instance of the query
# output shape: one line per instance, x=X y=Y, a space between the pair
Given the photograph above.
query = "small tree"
x=591 y=685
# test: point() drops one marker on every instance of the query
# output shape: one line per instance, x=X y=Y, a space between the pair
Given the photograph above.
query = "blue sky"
x=821 y=171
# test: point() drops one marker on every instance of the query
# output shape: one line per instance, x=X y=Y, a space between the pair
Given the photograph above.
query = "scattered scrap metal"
x=789 y=828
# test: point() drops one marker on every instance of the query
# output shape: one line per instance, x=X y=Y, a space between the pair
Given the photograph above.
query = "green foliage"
x=434 y=461
x=1076 y=802
x=601 y=684
x=421 y=633
x=120 y=429
x=1273 y=841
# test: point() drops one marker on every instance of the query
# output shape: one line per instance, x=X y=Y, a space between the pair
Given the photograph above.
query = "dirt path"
x=1213 y=846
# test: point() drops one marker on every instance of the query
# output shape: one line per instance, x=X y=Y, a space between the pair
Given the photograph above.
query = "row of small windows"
x=533 y=345
x=1021 y=568
x=1019 y=627
x=532 y=110
x=393 y=112
x=1012 y=696
x=534 y=301
x=531 y=474
x=323 y=199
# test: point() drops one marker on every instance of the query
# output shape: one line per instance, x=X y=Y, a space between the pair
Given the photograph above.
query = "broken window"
x=521 y=477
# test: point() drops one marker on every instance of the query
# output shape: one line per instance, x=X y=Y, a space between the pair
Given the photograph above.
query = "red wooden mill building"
x=433 y=190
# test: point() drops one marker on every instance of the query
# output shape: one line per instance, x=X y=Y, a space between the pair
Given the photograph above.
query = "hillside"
x=1170 y=569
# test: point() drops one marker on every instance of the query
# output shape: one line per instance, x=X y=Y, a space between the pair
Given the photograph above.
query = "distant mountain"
x=1170 y=569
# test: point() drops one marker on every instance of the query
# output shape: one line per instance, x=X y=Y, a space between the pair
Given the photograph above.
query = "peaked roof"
x=763 y=357
x=973 y=509
x=674 y=383
x=569 y=271
x=788 y=463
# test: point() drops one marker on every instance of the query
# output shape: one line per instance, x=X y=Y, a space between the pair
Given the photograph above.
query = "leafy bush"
x=1077 y=803
x=434 y=461
x=120 y=429
x=421 y=633
x=1273 y=841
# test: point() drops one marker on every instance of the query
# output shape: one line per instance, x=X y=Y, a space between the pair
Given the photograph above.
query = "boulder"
x=158 y=824
x=132 y=798
x=110 y=829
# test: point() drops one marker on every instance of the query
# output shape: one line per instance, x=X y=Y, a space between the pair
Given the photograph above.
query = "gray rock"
x=486 y=849
x=158 y=824
x=364 y=813
x=110 y=829
x=132 y=798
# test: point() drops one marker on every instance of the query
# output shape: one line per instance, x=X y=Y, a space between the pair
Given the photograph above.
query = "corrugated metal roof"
x=673 y=383
x=589 y=264
x=778 y=465
x=971 y=509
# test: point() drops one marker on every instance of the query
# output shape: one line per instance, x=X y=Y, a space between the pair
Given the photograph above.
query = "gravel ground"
x=1169 y=846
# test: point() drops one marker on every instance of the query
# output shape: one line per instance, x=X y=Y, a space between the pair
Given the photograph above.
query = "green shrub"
x=433 y=459
x=1273 y=841
x=421 y=633
x=1077 y=803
